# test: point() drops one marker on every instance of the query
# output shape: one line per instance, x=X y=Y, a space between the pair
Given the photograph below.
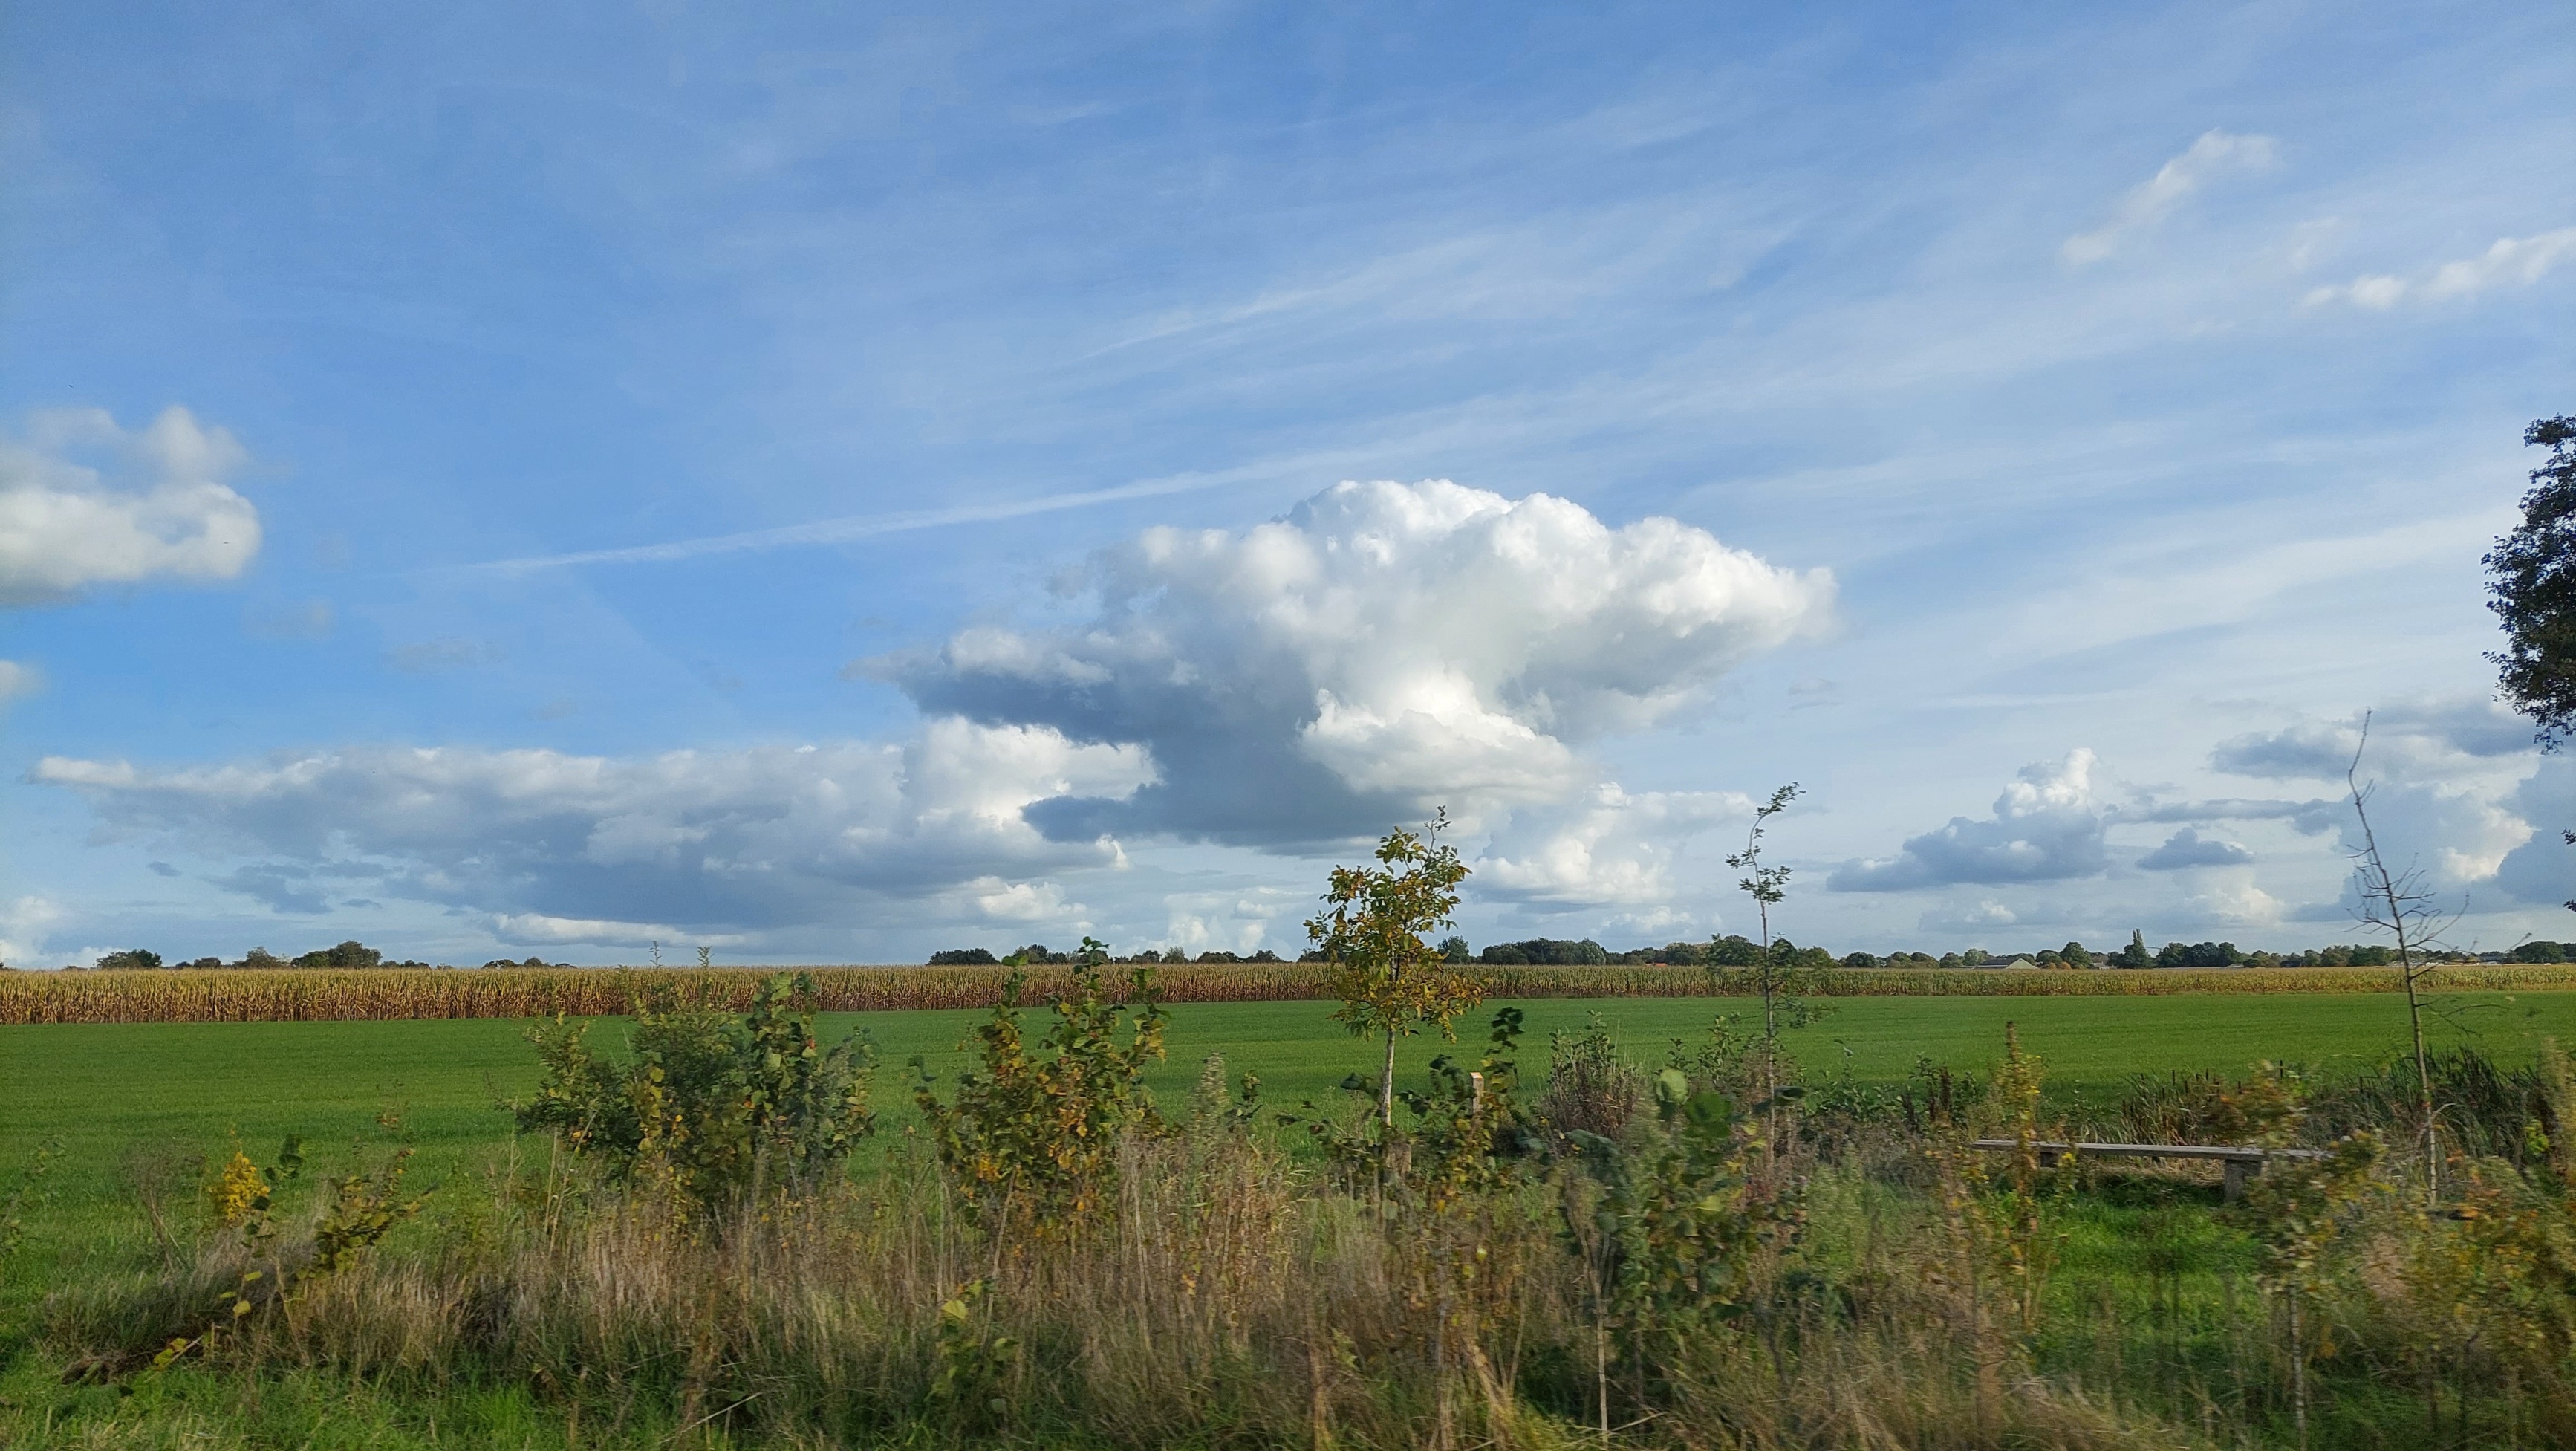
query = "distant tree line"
x=1735 y=950
x=351 y=954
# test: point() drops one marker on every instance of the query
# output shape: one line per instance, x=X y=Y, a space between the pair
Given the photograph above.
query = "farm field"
x=2146 y=1284
x=104 y=1090
x=194 y=995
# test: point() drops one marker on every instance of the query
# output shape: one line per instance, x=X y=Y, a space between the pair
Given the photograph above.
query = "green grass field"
x=105 y=1091
x=111 y=1095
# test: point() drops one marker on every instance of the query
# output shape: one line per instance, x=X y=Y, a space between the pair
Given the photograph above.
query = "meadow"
x=102 y=1090
x=1239 y=1287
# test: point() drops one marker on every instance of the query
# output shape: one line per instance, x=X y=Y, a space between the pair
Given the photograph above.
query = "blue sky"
x=828 y=487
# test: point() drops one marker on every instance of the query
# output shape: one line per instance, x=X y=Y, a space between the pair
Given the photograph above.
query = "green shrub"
x=1669 y=1229
x=1031 y=1140
x=1589 y=1086
x=715 y=1106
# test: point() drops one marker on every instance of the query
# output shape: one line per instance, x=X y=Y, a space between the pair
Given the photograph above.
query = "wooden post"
x=2238 y=1171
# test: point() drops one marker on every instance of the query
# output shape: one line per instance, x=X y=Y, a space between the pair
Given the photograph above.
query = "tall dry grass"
x=1232 y=1294
x=1232 y=1299
x=298 y=995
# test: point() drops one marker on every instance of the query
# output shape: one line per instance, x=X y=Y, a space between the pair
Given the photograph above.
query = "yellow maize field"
x=294 y=994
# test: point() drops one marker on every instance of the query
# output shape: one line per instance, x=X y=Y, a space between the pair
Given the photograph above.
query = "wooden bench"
x=2241 y=1163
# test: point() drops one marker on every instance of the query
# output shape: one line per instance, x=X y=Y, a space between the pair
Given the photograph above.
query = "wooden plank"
x=2242 y=1163
x=2246 y=1154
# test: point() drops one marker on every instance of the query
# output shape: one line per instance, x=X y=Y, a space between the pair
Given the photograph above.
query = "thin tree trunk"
x=1770 y=1043
x=2378 y=881
x=1601 y=1360
x=2298 y=1371
x=1386 y=1083
x=1770 y=991
x=2423 y=1073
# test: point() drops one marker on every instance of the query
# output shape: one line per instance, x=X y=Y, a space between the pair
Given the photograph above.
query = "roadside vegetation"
x=1583 y=1242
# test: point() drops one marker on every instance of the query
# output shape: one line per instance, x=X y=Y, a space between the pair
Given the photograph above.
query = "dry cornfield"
x=300 y=995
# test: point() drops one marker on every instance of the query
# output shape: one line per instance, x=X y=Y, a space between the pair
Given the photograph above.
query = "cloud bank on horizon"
x=703 y=844
x=1381 y=652
x=839 y=510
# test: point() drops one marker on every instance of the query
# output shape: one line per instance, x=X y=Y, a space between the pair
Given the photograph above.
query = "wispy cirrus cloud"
x=2215 y=154
x=855 y=528
x=431 y=657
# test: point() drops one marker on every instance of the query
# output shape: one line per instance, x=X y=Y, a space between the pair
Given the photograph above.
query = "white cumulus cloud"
x=1024 y=901
x=2418 y=739
x=1614 y=847
x=2510 y=262
x=2543 y=868
x=1382 y=650
x=2215 y=154
x=2459 y=836
x=2047 y=826
x=2234 y=903
x=2443 y=780
x=1984 y=915
x=84 y=502
x=25 y=923
x=2188 y=848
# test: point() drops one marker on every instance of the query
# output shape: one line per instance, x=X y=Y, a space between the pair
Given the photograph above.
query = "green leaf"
x=1672 y=1087
x=1709 y=1112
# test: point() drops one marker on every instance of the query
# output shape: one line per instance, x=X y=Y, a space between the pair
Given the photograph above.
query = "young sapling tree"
x=1768 y=886
x=2400 y=903
x=1390 y=981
